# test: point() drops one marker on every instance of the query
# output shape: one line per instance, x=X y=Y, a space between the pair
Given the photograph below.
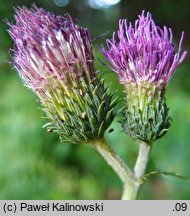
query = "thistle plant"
x=144 y=58
x=54 y=58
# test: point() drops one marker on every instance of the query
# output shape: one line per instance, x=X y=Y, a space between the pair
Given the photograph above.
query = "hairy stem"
x=131 y=180
x=139 y=169
x=142 y=160
x=120 y=168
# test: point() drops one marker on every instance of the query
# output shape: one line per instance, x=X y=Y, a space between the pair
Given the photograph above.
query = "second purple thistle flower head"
x=144 y=57
x=144 y=52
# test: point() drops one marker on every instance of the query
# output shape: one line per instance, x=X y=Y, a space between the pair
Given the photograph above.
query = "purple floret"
x=47 y=46
x=144 y=52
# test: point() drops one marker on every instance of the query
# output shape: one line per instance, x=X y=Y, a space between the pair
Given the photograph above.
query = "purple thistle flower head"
x=144 y=52
x=54 y=57
x=47 y=46
x=145 y=59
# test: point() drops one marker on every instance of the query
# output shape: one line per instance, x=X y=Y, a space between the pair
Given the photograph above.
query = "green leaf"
x=165 y=173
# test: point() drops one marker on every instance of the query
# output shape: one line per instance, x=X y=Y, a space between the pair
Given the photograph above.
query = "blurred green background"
x=35 y=165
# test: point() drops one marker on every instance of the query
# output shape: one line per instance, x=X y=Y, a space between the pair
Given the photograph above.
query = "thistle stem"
x=121 y=169
x=131 y=180
x=139 y=170
x=142 y=160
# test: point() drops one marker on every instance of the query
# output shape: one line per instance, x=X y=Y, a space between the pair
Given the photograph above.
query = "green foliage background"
x=35 y=165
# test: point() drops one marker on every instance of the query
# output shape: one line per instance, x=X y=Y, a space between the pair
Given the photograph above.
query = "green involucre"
x=145 y=116
x=81 y=110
